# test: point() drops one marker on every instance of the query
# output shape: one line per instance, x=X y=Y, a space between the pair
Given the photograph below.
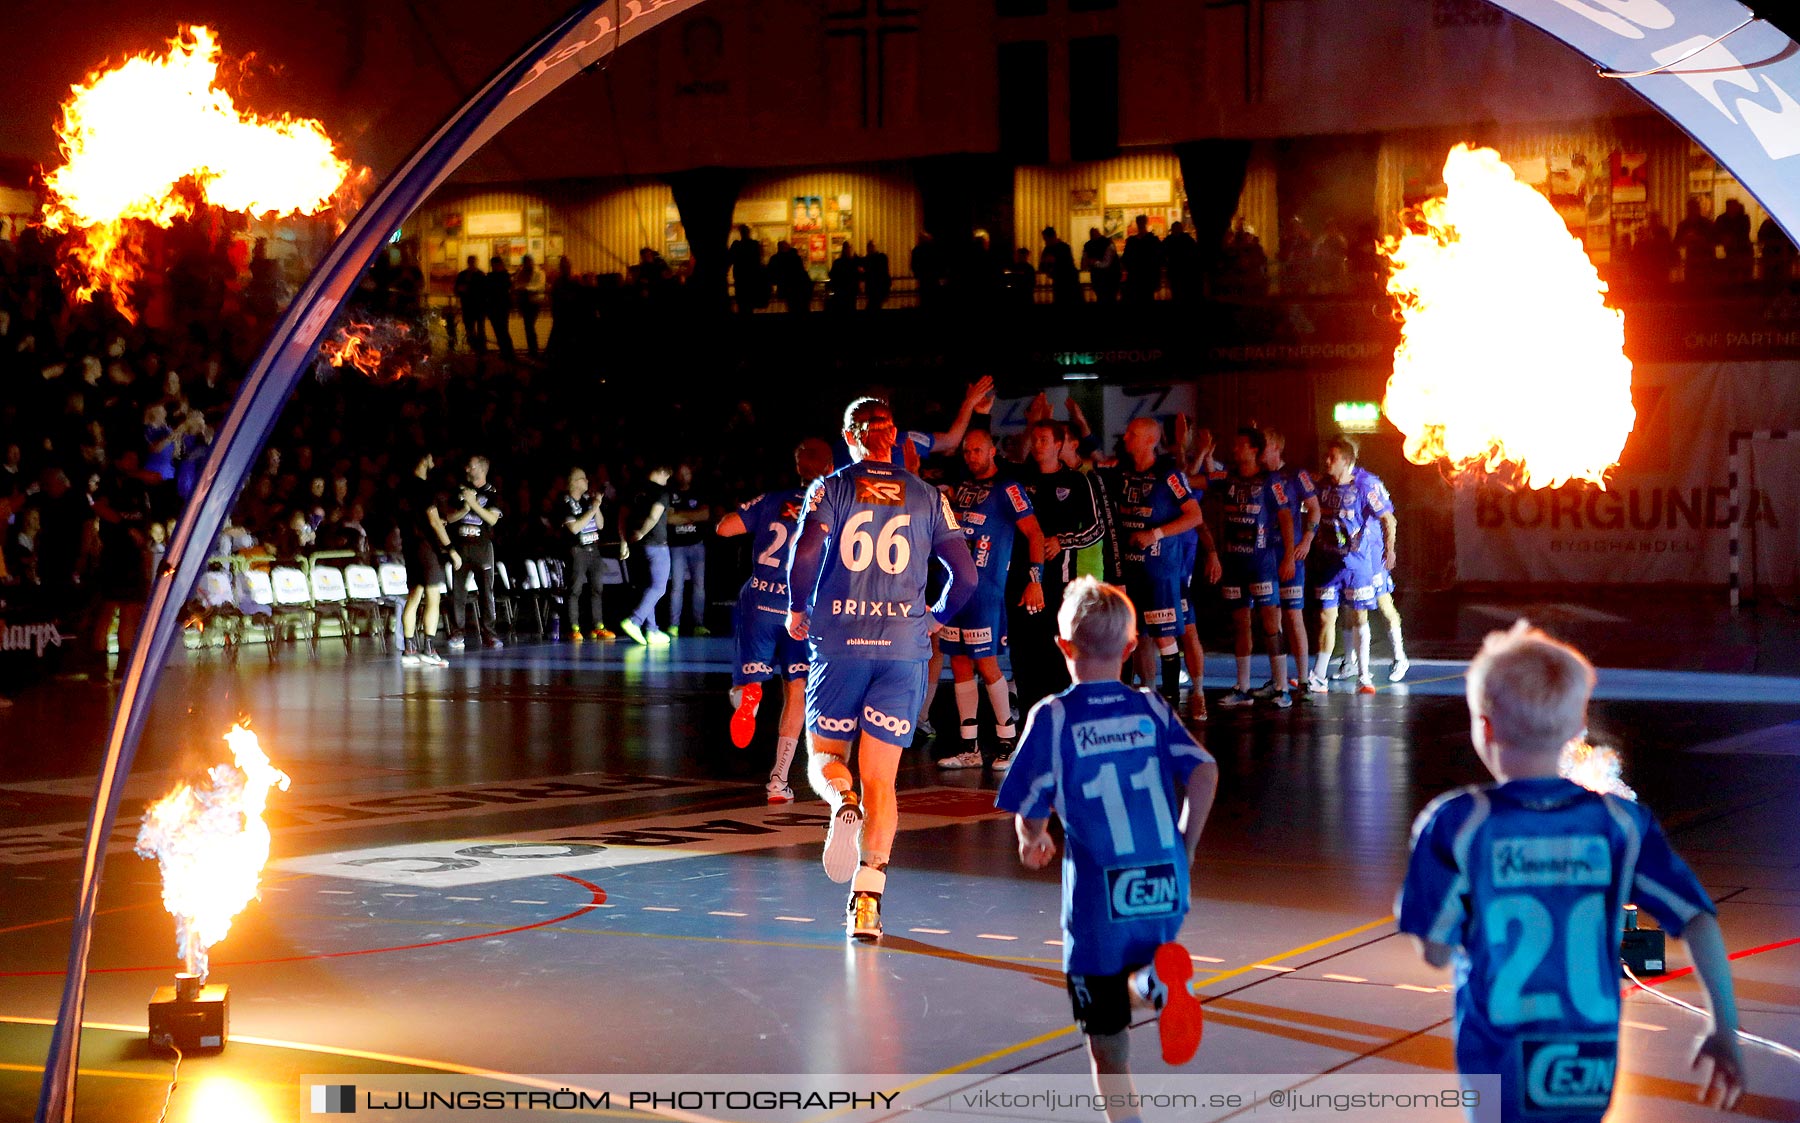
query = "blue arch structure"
x=1732 y=82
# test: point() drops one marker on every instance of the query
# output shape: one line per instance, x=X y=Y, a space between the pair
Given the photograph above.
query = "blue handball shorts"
x=978 y=630
x=1340 y=579
x=1293 y=593
x=1250 y=580
x=1384 y=583
x=883 y=696
x=764 y=647
x=1157 y=595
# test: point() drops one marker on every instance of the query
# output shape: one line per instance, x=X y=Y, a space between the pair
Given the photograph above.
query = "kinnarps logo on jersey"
x=1113 y=735
x=1568 y=1075
x=1140 y=891
x=1580 y=859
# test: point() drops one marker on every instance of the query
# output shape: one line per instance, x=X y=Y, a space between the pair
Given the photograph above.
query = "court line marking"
x=1044 y=1038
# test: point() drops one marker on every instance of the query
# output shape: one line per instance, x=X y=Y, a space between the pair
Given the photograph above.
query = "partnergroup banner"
x=961 y=1098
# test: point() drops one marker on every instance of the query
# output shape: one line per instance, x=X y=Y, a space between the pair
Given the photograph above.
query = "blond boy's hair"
x=1532 y=689
x=1097 y=618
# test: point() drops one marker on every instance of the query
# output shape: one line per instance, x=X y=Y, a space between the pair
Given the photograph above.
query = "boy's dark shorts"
x=1102 y=1003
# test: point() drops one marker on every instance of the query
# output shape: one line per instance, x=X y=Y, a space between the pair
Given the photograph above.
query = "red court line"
x=599 y=897
x=1673 y=975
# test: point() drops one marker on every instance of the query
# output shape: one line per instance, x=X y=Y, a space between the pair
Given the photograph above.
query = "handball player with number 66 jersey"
x=856 y=589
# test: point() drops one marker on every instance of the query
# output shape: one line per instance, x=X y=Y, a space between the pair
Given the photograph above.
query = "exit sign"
x=1357 y=417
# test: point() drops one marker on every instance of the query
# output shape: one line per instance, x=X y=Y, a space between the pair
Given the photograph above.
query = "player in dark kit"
x=1258 y=559
x=1152 y=506
x=856 y=589
x=427 y=544
x=759 y=622
x=474 y=522
x=1072 y=514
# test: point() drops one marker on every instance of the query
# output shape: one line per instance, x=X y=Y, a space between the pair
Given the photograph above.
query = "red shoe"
x=1365 y=687
x=743 y=721
x=1181 y=1024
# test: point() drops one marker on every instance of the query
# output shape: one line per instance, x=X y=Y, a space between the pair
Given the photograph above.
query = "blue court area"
x=549 y=859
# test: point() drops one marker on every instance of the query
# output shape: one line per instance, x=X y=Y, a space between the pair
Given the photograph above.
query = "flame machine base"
x=191 y=1015
x=1642 y=949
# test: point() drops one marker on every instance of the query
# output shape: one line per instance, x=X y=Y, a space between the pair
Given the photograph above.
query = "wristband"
x=1156 y=534
x=1037 y=573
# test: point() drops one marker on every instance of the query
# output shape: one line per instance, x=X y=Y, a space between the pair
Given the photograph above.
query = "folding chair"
x=394 y=590
x=293 y=600
x=256 y=605
x=213 y=601
x=331 y=599
x=363 y=584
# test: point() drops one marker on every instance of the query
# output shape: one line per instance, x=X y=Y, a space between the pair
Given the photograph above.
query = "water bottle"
x=556 y=628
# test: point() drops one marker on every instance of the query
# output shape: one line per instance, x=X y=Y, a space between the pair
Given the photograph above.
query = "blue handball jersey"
x=1149 y=499
x=771 y=520
x=1350 y=515
x=1528 y=880
x=989 y=511
x=1250 y=505
x=1113 y=763
x=1297 y=486
x=883 y=524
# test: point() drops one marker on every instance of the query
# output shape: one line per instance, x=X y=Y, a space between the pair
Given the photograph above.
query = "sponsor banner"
x=51 y=841
x=466 y=861
x=1665 y=515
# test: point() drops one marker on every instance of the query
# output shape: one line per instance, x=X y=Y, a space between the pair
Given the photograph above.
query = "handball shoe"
x=841 y=847
x=743 y=719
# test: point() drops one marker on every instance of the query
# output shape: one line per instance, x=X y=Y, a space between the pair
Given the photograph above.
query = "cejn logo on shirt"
x=1113 y=735
x=1568 y=1075
x=1140 y=891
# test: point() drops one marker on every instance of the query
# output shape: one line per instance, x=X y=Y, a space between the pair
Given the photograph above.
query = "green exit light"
x=1357 y=417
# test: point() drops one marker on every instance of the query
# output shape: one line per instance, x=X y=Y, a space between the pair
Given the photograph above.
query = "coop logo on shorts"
x=758 y=669
x=1140 y=891
x=1568 y=1075
x=333 y=1099
x=1113 y=735
x=835 y=724
x=898 y=726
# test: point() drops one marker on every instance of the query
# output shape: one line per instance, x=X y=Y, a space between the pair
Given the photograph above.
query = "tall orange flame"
x=1510 y=362
x=211 y=843
x=133 y=135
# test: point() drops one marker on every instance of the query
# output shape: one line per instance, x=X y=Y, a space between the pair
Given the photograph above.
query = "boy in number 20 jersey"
x=1523 y=885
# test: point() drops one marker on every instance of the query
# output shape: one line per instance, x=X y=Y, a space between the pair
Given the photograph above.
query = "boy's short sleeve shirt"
x=1113 y=764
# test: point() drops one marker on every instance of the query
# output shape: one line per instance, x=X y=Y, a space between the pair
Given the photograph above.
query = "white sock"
x=968 y=707
x=869 y=880
x=1362 y=649
x=1243 y=665
x=1395 y=638
x=736 y=696
x=1322 y=664
x=784 y=757
x=1279 y=662
x=1001 y=700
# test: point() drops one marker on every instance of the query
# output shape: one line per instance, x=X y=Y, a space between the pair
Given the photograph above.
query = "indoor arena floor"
x=549 y=859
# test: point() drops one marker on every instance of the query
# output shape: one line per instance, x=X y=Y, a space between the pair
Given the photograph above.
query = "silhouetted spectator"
x=1696 y=241
x=1101 y=261
x=748 y=276
x=528 y=296
x=1732 y=232
x=1057 y=261
x=471 y=296
x=1777 y=251
x=878 y=280
x=1181 y=256
x=789 y=276
x=1143 y=263
x=497 y=301
x=1021 y=280
x=845 y=279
